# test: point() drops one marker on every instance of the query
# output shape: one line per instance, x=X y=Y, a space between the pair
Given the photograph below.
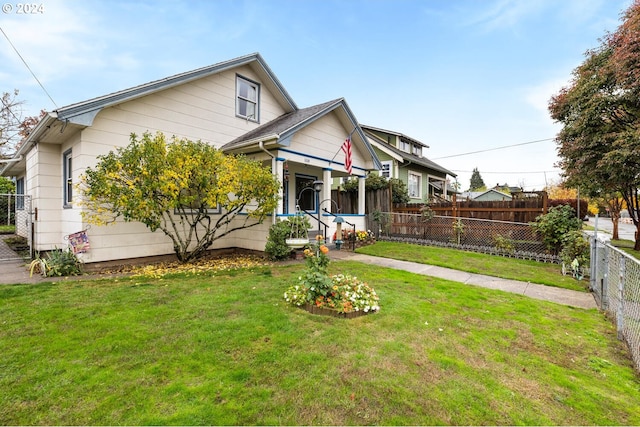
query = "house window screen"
x=20 y=193
x=386 y=169
x=68 y=179
x=248 y=94
x=415 y=190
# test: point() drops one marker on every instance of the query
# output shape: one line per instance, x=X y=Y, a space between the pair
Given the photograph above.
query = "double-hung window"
x=386 y=169
x=20 y=193
x=415 y=185
x=67 y=185
x=247 y=99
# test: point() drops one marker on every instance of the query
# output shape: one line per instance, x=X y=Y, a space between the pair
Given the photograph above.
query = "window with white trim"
x=20 y=193
x=386 y=169
x=417 y=150
x=247 y=99
x=67 y=184
x=405 y=146
x=415 y=185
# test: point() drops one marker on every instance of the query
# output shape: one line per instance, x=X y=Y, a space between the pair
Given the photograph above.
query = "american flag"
x=346 y=147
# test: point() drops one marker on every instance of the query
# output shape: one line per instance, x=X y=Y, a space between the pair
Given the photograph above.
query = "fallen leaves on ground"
x=201 y=266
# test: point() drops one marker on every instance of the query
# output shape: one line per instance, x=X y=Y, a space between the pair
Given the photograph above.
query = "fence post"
x=620 y=313
x=594 y=255
x=604 y=291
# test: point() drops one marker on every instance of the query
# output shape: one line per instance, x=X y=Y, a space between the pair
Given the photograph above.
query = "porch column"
x=326 y=189
x=279 y=174
x=361 y=196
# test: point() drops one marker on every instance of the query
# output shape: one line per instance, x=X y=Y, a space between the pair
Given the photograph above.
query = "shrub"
x=399 y=192
x=575 y=246
x=504 y=244
x=276 y=247
x=555 y=224
x=57 y=263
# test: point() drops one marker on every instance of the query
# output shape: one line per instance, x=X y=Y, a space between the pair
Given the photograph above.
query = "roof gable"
x=282 y=129
x=84 y=112
x=408 y=157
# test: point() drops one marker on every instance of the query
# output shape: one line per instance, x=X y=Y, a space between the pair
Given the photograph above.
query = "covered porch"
x=308 y=149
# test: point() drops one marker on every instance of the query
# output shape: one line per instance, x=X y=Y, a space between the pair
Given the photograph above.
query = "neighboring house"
x=491 y=195
x=403 y=157
x=507 y=188
x=237 y=105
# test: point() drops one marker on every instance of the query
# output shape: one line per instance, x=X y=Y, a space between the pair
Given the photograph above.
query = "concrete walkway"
x=16 y=272
x=541 y=292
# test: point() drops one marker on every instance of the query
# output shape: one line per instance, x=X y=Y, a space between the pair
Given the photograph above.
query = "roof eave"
x=84 y=112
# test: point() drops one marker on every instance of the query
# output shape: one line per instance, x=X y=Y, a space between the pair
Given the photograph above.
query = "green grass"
x=473 y=262
x=226 y=349
x=7 y=229
x=626 y=246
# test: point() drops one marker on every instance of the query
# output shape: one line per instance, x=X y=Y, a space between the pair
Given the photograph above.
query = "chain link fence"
x=511 y=239
x=15 y=227
x=615 y=283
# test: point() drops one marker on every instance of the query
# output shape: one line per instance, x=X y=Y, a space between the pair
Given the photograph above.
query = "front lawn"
x=226 y=349
x=473 y=262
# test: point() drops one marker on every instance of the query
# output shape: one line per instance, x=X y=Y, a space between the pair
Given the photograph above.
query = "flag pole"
x=340 y=149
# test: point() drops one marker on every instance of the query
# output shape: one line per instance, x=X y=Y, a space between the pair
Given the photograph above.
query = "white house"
x=238 y=106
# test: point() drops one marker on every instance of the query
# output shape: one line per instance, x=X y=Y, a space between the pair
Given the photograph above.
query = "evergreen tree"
x=476 y=183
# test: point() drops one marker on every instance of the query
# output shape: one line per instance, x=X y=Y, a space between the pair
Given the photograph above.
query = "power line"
x=508 y=173
x=28 y=68
x=496 y=148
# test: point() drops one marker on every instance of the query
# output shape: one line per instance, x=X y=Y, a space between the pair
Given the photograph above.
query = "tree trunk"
x=615 y=220
x=636 y=247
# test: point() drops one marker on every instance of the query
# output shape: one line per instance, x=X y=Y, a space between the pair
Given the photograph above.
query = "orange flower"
x=324 y=249
x=319 y=237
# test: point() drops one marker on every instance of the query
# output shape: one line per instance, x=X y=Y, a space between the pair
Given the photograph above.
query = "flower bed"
x=355 y=239
x=321 y=293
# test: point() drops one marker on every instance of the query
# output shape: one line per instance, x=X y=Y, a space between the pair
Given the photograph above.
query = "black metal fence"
x=512 y=239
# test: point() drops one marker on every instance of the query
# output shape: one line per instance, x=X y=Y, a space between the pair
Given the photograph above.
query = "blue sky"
x=459 y=75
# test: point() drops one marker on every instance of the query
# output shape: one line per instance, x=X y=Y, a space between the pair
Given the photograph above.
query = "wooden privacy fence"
x=375 y=200
x=524 y=207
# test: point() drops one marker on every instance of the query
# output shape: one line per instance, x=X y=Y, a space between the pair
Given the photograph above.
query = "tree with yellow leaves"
x=191 y=191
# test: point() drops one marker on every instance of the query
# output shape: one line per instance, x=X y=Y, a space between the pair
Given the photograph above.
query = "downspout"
x=273 y=170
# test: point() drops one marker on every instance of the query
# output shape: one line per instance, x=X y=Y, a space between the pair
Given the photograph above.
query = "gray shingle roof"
x=422 y=161
x=283 y=125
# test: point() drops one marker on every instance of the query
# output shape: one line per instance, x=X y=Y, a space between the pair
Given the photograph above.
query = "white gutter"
x=11 y=160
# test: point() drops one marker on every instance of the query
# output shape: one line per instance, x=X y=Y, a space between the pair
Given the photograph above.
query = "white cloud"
x=52 y=43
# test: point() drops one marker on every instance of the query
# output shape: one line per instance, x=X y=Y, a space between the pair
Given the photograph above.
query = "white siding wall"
x=324 y=138
x=203 y=110
x=44 y=168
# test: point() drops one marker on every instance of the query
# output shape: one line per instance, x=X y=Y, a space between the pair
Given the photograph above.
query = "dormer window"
x=417 y=150
x=405 y=146
x=247 y=99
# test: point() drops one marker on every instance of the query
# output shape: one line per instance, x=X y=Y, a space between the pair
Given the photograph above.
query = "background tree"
x=10 y=120
x=476 y=183
x=7 y=186
x=599 y=144
x=174 y=186
x=14 y=127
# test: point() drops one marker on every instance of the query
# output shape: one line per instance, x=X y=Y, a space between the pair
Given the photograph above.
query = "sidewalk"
x=13 y=272
x=532 y=290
